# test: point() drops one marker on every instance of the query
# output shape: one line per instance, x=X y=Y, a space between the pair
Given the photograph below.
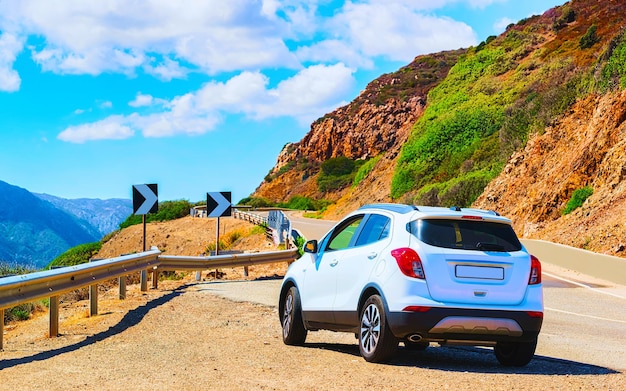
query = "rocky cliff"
x=375 y=124
x=585 y=148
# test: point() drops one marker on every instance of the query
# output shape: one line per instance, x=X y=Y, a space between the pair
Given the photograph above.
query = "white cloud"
x=111 y=128
x=105 y=104
x=249 y=39
x=306 y=96
x=309 y=94
x=398 y=30
x=10 y=46
x=502 y=24
x=142 y=100
x=120 y=36
x=483 y=3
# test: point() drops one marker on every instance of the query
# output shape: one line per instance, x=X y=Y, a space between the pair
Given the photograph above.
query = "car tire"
x=515 y=354
x=294 y=332
x=376 y=342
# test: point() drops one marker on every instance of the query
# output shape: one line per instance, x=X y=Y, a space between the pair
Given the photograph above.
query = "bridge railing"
x=51 y=284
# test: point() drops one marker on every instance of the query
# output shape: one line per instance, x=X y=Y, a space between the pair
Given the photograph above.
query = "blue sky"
x=199 y=96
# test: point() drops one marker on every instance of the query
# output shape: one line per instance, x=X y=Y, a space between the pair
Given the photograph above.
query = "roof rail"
x=485 y=211
x=398 y=208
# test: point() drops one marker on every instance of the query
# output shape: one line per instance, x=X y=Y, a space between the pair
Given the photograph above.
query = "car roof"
x=436 y=211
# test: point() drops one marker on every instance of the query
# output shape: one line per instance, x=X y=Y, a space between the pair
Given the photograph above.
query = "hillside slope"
x=585 y=148
x=516 y=124
x=32 y=231
x=375 y=125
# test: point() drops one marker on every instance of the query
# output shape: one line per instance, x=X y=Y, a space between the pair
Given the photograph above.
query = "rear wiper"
x=489 y=247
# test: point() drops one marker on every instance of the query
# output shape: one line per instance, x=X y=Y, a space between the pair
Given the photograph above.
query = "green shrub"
x=460 y=191
x=22 y=311
x=614 y=72
x=77 y=255
x=337 y=173
x=364 y=170
x=578 y=198
x=590 y=38
x=304 y=203
x=257 y=202
x=168 y=210
x=10 y=269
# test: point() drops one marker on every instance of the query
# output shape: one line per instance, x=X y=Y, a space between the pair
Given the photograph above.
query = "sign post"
x=145 y=200
x=218 y=204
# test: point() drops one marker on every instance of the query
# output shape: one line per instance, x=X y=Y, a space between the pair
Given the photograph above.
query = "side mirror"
x=310 y=247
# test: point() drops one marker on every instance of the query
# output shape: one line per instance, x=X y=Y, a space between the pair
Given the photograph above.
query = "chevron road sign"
x=145 y=199
x=218 y=204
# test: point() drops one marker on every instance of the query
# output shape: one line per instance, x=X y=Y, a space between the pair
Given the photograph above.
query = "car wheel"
x=376 y=342
x=294 y=332
x=515 y=354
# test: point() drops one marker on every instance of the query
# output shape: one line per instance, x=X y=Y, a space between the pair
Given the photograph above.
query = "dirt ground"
x=182 y=336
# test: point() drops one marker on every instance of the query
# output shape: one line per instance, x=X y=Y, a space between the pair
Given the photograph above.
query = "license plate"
x=482 y=272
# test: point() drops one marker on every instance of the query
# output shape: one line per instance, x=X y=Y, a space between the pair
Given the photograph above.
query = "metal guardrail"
x=177 y=262
x=25 y=288
x=251 y=217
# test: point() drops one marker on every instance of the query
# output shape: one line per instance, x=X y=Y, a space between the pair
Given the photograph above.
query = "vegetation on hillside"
x=578 y=199
x=337 y=173
x=168 y=210
x=296 y=202
x=492 y=100
x=21 y=311
x=76 y=255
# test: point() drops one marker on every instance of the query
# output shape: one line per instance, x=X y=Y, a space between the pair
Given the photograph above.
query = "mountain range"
x=36 y=228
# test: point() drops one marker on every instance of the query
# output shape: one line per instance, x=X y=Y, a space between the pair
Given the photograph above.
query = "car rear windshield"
x=466 y=234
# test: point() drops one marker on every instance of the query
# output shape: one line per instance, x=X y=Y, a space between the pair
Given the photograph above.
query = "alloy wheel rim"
x=287 y=314
x=370 y=328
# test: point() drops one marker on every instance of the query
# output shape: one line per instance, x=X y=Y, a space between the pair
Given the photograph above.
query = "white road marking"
x=584 y=286
x=586 y=316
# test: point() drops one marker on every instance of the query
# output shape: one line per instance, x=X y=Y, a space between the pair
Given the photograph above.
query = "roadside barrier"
x=15 y=290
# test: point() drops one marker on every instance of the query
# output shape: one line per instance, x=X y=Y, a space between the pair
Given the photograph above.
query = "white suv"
x=392 y=273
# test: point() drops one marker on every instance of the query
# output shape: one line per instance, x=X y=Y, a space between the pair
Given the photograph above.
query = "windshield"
x=466 y=235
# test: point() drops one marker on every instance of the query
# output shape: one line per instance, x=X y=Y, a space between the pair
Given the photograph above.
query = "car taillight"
x=535 y=271
x=409 y=262
x=416 y=308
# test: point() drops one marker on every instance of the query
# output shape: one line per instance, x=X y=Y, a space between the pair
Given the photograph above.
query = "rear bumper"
x=456 y=324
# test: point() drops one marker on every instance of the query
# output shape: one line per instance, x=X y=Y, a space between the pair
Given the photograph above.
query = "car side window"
x=376 y=228
x=342 y=237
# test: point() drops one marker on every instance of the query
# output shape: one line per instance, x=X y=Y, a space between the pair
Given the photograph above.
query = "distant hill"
x=34 y=231
x=103 y=215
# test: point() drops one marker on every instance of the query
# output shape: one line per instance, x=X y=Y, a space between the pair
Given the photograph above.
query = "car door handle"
x=334 y=263
x=372 y=255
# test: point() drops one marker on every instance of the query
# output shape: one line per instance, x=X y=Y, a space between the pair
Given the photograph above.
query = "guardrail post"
x=245 y=271
x=122 y=285
x=1 y=329
x=155 y=278
x=54 y=317
x=93 y=300
x=144 y=280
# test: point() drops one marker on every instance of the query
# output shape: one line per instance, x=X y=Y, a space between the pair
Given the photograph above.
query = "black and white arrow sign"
x=145 y=199
x=218 y=204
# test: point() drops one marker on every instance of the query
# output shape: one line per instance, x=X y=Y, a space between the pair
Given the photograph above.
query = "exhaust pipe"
x=414 y=338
